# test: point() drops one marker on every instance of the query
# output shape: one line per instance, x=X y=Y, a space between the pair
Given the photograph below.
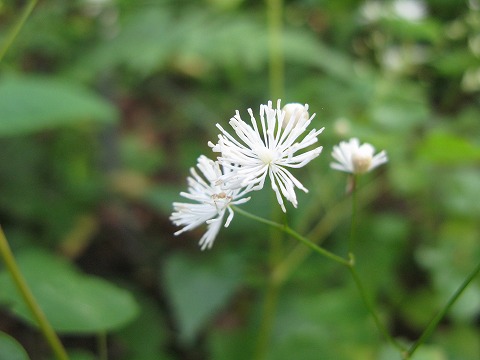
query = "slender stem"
x=276 y=61
x=351 y=242
x=315 y=247
x=350 y=263
x=321 y=230
x=27 y=10
x=352 y=188
x=19 y=280
x=268 y=317
x=102 y=346
x=286 y=229
x=436 y=320
x=369 y=305
x=276 y=76
x=275 y=254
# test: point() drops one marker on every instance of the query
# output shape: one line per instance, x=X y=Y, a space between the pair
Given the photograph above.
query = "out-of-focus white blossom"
x=293 y=111
x=354 y=158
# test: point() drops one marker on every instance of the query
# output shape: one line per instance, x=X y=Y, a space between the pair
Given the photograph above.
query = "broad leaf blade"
x=73 y=302
x=29 y=104
x=10 y=349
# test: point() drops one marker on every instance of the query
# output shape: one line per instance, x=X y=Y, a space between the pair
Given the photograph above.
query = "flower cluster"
x=265 y=148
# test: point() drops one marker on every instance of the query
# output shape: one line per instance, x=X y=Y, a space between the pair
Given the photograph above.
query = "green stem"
x=276 y=79
x=268 y=317
x=16 y=29
x=436 y=320
x=351 y=242
x=276 y=62
x=369 y=305
x=18 y=279
x=348 y=263
x=286 y=229
x=272 y=289
x=352 y=188
x=102 y=346
x=319 y=233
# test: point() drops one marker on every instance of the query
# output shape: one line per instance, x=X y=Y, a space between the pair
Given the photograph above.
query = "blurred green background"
x=105 y=105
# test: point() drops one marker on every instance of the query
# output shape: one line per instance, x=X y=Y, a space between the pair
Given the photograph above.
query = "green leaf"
x=29 y=104
x=73 y=302
x=426 y=352
x=398 y=106
x=427 y=30
x=307 y=324
x=448 y=149
x=459 y=193
x=81 y=355
x=199 y=289
x=148 y=328
x=450 y=260
x=10 y=349
x=455 y=62
x=162 y=197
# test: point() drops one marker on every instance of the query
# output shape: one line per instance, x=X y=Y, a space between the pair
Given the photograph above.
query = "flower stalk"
x=441 y=314
x=288 y=230
x=351 y=242
x=19 y=281
x=27 y=10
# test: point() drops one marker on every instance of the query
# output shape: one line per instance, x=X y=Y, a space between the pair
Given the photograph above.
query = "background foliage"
x=104 y=106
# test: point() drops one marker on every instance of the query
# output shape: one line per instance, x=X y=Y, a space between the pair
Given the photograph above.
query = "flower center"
x=221 y=200
x=361 y=162
x=266 y=155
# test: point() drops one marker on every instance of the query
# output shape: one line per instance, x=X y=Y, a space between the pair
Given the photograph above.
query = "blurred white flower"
x=411 y=10
x=268 y=150
x=293 y=111
x=342 y=126
x=355 y=158
x=211 y=202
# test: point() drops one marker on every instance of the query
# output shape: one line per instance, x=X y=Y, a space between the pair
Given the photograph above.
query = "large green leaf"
x=29 y=104
x=10 y=349
x=199 y=289
x=73 y=302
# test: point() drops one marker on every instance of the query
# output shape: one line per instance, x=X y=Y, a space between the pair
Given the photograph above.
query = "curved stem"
x=16 y=29
x=369 y=305
x=436 y=320
x=320 y=231
x=18 y=279
x=352 y=188
x=286 y=229
x=350 y=263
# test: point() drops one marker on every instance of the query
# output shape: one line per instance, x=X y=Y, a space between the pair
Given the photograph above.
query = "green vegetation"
x=104 y=107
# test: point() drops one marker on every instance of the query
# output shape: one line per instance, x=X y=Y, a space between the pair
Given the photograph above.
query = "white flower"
x=211 y=202
x=268 y=150
x=293 y=111
x=355 y=158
